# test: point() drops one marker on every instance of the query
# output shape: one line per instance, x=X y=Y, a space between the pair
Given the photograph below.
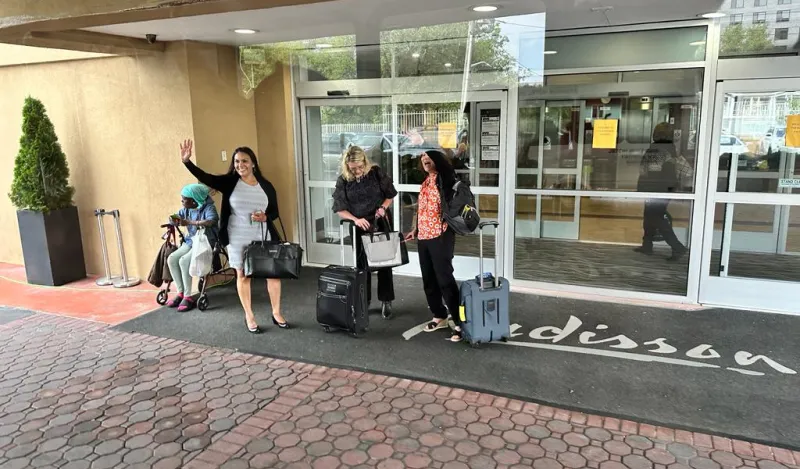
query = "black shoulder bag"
x=272 y=259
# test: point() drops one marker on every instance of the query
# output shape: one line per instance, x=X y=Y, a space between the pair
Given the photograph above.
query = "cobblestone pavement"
x=75 y=395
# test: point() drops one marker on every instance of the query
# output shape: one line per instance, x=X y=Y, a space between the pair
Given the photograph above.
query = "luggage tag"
x=462 y=313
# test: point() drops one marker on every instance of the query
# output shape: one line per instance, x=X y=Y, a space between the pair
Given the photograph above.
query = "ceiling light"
x=550 y=52
x=448 y=65
x=697 y=43
x=245 y=31
x=717 y=14
x=415 y=55
x=324 y=46
x=484 y=8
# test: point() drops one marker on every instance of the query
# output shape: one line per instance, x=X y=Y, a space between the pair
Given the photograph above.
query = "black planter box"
x=52 y=246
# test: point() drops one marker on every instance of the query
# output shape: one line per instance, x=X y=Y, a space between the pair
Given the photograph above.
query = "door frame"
x=741 y=292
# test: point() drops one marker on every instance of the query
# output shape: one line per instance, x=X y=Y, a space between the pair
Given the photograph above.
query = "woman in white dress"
x=248 y=202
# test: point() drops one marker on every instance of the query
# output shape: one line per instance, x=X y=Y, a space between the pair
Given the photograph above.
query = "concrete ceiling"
x=367 y=17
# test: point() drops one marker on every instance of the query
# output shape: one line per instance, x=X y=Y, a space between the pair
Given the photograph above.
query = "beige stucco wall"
x=120 y=120
x=11 y=54
x=273 y=100
x=223 y=118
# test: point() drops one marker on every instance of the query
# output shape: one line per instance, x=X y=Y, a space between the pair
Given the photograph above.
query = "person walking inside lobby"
x=436 y=243
x=661 y=171
x=248 y=200
x=198 y=212
x=363 y=194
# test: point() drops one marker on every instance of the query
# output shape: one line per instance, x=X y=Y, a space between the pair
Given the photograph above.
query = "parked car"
x=733 y=145
x=730 y=146
x=337 y=142
x=773 y=140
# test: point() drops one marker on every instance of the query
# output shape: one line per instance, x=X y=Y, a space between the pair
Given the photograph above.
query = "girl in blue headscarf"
x=198 y=211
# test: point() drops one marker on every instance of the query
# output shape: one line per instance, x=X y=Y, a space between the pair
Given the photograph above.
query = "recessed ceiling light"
x=717 y=14
x=324 y=46
x=697 y=43
x=415 y=55
x=550 y=52
x=484 y=8
x=448 y=65
x=245 y=31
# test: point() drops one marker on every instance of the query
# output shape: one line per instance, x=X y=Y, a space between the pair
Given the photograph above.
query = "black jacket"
x=657 y=171
x=226 y=183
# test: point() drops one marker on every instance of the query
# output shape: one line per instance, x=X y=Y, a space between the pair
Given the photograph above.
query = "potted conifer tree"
x=48 y=220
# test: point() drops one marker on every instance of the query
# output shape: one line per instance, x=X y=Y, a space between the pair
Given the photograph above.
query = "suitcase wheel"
x=475 y=344
x=504 y=339
x=327 y=329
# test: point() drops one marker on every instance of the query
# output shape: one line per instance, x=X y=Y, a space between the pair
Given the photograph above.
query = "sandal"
x=176 y=301
x=457 y=336
x=435 y=325
x=186 y=305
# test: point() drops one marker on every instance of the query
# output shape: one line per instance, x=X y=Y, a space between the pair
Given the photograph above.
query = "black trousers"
x=385 y=277
x=654 y=221
x=436 y=263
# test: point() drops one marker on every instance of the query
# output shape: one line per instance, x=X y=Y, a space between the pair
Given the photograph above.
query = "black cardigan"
x=226 y=183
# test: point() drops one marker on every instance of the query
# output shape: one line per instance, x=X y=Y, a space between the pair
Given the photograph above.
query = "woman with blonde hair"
x=363 y=194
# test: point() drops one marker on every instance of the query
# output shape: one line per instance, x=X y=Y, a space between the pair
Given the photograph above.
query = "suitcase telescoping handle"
x=480 y=258
x=341 y=237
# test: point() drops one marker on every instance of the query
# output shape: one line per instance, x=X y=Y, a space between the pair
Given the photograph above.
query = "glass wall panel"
x=474 y=154
x=763 y=242
x=603 y=254
x=641 y=108
x=759 y=27
x=467 y=246
x=625 y=48
x=754 y=155
x=332 y=129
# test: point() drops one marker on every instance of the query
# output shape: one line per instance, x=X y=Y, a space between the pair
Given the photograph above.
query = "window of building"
x=784 y=2
x=783 y=16
x=761 y=3
x=781 y=34
x=737 y=18
x=760 y=18
x=737 y=3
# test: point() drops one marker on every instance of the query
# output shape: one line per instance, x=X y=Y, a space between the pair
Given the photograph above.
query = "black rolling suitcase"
x=342 y=294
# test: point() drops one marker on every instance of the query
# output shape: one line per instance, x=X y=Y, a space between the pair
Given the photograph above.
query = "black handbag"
x=272 y=259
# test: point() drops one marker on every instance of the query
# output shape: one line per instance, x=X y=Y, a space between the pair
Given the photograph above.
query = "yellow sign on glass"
x=605 y=134
x=447 y=135
x=793 y=131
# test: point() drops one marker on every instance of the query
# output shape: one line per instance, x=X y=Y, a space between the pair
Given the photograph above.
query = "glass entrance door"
x=328 y=127
x=753 y=211
x=471 y=130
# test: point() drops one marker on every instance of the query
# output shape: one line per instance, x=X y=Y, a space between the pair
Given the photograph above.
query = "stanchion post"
x=125 y=281
x=108 y=279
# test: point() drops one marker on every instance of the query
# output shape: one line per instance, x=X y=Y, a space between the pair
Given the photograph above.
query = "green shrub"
x=41 y=174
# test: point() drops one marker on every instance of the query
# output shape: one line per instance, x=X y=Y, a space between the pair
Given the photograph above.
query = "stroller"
x=221 y=273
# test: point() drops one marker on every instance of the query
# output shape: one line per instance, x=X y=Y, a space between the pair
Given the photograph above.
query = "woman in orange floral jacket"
x=436 y=243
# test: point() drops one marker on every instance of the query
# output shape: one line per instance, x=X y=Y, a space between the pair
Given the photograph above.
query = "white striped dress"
x=245 y=200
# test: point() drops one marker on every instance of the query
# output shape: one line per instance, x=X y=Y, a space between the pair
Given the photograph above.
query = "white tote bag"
x=202 y=255
x=385 y=250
